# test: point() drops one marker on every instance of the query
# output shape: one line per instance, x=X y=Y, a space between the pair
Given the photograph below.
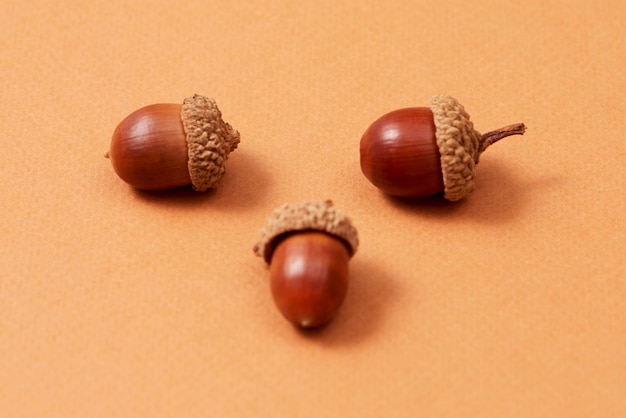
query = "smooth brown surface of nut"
x=148 y=148
x=399 y=153
x=309 y=277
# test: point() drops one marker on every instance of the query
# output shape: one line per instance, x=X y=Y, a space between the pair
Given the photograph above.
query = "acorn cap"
x=459 y=146
x=209 y=141
x=306 y=216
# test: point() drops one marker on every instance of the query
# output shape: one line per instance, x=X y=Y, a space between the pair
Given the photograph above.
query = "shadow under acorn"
x=244 y=185
x=371 y=293
x=499 y=197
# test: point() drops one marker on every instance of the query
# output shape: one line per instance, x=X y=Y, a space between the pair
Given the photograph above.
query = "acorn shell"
x=459 y=146
x=209 y=141
x=306 y=216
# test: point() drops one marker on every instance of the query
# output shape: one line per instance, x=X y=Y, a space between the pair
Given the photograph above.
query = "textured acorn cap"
x=459 y=146
x=306 y=216
x=209 y=141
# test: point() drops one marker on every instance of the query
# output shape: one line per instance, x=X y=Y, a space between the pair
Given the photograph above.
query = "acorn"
x=166 y=145
x=424 y=151
x=308 y=246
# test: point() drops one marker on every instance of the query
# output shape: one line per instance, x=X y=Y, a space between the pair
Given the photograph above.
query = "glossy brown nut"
x=309 y=277
x=399 y=153
x=148 y=148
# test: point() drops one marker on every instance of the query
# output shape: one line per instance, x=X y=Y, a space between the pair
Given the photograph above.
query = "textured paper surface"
x=510 y=303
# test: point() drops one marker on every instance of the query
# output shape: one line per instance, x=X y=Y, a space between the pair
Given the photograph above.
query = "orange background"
x=511 y=303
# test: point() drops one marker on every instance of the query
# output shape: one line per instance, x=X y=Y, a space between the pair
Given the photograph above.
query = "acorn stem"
x=494 y=136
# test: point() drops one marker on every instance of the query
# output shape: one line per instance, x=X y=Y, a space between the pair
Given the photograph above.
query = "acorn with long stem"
x=425 y=151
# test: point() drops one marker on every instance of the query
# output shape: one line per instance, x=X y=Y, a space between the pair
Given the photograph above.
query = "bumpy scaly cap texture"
x=209 y=141
x=459 y=146
x=311 y=215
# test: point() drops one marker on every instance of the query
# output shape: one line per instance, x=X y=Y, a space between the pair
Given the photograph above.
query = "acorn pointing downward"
x=421 y=151
x=308 y=246
x=163 y=146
